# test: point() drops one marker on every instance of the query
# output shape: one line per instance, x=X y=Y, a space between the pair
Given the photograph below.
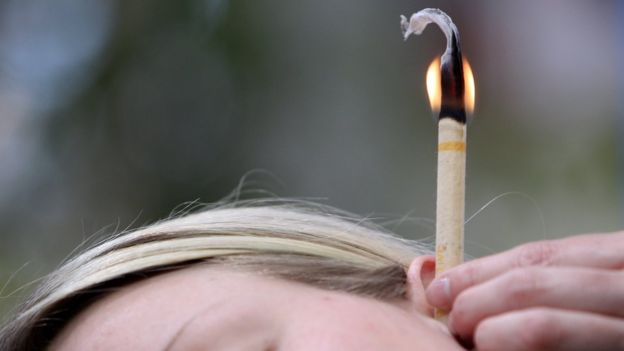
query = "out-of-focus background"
x=114 y=113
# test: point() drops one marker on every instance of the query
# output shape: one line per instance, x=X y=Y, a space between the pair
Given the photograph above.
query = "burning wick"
x=450 y=86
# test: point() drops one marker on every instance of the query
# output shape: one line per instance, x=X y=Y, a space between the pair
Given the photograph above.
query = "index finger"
x=604 y=251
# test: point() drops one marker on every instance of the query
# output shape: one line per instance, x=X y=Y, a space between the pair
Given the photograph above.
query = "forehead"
x=151 y=313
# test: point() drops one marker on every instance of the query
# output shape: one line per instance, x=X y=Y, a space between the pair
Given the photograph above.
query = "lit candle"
x=450 y=85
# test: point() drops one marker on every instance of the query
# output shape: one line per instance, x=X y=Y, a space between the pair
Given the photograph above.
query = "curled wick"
x=451 y=67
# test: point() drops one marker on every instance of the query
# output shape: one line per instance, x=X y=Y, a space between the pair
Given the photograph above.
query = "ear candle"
x=448 y=95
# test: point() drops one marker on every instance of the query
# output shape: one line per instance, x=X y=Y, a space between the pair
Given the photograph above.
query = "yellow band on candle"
x=452 y=146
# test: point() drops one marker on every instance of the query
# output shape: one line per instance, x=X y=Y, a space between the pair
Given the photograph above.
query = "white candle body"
x=450 y=196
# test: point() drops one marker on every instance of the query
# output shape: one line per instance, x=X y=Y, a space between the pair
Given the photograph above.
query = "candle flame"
x=469 y=88
x=434 y=86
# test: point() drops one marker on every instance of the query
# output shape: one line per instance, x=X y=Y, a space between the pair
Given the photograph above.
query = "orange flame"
x=434 y=89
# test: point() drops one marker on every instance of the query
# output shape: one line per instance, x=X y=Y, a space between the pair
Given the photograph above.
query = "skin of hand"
x=560 y=295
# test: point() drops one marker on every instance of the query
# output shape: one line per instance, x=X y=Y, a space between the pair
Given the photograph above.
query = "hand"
x=552 y=295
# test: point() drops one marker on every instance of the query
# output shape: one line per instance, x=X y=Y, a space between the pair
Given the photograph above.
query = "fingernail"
x=439 y=293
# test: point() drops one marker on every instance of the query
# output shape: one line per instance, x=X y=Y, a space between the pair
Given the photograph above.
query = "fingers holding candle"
x=601 y=251
x=573 y=289
x=581 y=277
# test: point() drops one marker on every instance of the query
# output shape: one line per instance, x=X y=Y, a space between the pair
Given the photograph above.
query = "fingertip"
x=438 y=293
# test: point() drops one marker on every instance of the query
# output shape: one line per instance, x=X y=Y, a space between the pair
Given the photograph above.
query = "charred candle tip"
x=452 y=104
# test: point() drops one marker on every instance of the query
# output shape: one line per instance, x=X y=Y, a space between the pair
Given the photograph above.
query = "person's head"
x=268 y=277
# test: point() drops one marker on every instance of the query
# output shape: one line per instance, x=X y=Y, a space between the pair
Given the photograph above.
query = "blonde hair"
x=296 y=241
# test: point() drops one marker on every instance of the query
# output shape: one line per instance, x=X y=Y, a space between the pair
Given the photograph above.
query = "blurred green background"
x=114 y=113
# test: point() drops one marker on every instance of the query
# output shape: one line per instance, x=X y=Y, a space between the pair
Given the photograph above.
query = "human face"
x=212 y=308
